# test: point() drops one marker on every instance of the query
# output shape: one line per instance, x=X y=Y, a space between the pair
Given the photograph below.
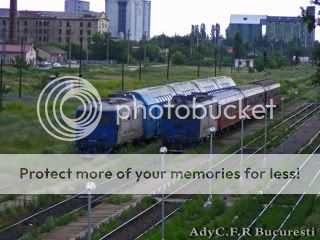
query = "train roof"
x=251 y=89
x=184 y=88
x=206 y=85
x=110 y=104
x=224 y=82
x=155 y=95
x=267 y=84
x=226 y=96
x=199 y=98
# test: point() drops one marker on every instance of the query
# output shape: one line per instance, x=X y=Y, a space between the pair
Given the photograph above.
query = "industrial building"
x=278 y=28
x=129 y=19
x=75 y=6
x=249 y=27
x=53 y=27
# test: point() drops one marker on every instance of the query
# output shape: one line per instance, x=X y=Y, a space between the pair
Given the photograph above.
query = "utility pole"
x=220 y=60
x=69 y=53
x=163 y=151
x=128 y=38
x=108 y=50
x=168 y=67
x=88 y=51
x=20 y=68
x=199 y=57
x=80 y=64
x=122 y=69
x=216 y=48
x=1 y=84
x=1 y=74
x=145 y=46
x=140 y=59
x=90 y=187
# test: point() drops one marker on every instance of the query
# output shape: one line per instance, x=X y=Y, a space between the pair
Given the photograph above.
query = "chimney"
x=13 y=22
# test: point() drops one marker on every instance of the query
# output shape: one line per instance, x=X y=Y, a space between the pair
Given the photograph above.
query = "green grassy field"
x=22 y=133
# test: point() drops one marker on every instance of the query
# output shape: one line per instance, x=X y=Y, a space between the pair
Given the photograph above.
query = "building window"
x=44 y=31
x=60 y=39
x=25 y=23
x=81 y=32
x=60 y=31
x=68 y=39
x=81 y=24
x=89 y=32
x=40 y=23
x=60 y=24
x=39 y=39
x=89 y=24
x=4 y=22
x=68 y=24
x=40 y=31
x=68 y=31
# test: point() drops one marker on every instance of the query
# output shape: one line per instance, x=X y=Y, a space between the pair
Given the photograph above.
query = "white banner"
x=152 y=174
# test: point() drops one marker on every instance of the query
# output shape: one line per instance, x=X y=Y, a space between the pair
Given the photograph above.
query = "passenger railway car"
x=224 y=82
x=254 y=95
x=113 y=131
x=178 y=133
x=184 y=88
x=272 y=90
x=228 y=105
x=150 y=97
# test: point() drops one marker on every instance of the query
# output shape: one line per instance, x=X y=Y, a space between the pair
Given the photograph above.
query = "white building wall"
x=147 y=19
x=112 y=10
x=138 y=15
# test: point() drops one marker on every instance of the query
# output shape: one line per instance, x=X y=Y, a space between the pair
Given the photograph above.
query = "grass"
x=12 y=214
x=119 y=199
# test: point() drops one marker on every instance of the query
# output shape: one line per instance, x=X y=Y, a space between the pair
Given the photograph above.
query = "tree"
x=203 y=32
x=312 y=23
x=213 y=33
x=238 y=51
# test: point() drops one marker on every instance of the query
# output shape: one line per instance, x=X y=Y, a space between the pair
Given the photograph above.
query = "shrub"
x=178 y=58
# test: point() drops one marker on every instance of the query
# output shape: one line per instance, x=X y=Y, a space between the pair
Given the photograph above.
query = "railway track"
x=279 y=193
x=143 y=222
x=140 y=224
x=68 y=206
x=286 y=128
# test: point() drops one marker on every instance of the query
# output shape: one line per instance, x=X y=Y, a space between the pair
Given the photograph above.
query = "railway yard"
x=294 y=129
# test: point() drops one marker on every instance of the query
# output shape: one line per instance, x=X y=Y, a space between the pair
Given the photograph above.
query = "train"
x=149 y=115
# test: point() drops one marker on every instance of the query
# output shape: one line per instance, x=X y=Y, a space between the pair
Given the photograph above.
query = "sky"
x=176 y=16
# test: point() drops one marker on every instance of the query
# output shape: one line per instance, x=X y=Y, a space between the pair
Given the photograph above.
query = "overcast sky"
x=176 y=16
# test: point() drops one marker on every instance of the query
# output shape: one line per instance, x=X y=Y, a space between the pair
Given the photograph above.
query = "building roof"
x=247 y=19
x=52 y=50
x=16 y=48
x=4 y=12
x=284 y=19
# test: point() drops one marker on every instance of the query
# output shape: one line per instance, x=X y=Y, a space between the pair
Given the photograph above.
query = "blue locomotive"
x=153 y=121
x=113 y=130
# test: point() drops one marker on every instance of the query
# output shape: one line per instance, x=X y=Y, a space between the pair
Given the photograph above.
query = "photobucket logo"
x=50 y=108
x=196 y=111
